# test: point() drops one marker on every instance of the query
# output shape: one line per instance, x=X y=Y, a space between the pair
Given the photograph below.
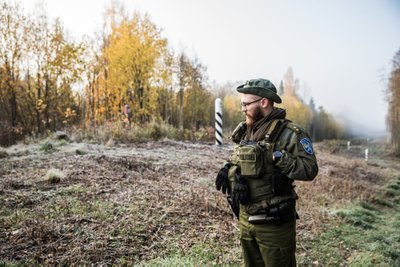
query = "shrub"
x=3 y=154
x=140 y=133
x=47 y=147
x=62 y=142
x=9 y=135
x=54 y=176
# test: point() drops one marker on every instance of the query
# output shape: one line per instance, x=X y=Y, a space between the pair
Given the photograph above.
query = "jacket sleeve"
x=298 y=159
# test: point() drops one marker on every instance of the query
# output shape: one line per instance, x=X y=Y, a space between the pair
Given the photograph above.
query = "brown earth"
x=89 y=203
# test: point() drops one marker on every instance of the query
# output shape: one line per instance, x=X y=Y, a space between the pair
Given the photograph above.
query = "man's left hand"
x=240 y=192
x=222 y=181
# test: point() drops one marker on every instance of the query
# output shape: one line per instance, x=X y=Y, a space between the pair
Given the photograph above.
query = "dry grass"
x=130 y=204
x=115 y=205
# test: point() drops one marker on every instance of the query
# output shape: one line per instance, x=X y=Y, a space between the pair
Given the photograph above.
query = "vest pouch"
x=281 y=184
x=251 y=160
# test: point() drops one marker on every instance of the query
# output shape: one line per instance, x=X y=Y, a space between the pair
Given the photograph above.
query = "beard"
x=251 y=119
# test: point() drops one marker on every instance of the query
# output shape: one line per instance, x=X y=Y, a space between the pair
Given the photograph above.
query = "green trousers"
x=267 y=244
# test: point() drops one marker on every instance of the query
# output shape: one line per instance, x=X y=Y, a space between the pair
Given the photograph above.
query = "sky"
x=339 y=50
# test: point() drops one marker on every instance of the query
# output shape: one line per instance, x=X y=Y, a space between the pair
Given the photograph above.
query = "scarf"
x=257 y=131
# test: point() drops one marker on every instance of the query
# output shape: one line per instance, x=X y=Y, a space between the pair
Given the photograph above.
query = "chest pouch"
x=251 y=159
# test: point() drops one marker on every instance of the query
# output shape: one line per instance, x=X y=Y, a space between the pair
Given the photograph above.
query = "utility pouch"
x=277 y=214
x=251 y=159
x=239 y=132
x=280 y=183
x=261 y=219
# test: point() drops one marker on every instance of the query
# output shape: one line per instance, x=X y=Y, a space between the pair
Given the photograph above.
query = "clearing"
x=155 y=203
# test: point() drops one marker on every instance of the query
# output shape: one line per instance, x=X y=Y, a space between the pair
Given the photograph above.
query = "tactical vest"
x=254 y=162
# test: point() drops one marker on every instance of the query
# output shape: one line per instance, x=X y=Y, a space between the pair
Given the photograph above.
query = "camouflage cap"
x=260 y=87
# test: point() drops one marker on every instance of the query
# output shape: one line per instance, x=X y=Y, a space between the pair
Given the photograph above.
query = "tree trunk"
x=181 y=109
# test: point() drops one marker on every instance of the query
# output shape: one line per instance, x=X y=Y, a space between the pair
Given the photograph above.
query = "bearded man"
x=270 y=153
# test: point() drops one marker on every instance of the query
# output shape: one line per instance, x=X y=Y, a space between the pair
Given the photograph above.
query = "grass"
x=198 y=255
x=47 y=147
x=74 y=189
x=62 y=142
x=154 y=130
x=54 y=176
x=15 y=218
x=74 y=206
x=365 y=234
x=138 y=209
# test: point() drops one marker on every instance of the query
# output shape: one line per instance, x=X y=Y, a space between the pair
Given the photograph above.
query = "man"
x=270 y=153
x=127 y=115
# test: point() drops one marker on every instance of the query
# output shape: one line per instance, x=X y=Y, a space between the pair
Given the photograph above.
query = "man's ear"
x=264 y=102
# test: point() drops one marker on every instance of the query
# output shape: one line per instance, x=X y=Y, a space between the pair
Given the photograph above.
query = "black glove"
x=222 y=180
x=240 y=192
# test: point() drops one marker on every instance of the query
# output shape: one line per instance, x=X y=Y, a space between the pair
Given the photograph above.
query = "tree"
x=393 y=98
x=13 y=27
x=195 y=101
x=290 y=85
x=131 y=68
x=296 y=110
x=40 y=66
x=231 y=108
x=325 y=126
x=184 y=70
x=281 y=89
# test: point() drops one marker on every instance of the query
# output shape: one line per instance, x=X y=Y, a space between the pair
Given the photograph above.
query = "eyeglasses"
x=245 y=104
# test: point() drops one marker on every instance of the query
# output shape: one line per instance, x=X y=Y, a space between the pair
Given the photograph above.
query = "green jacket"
x=298 y=161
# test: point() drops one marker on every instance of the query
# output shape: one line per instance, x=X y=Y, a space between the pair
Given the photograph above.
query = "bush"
x=142 y=133
x=62 y=142
x=47 y=147
x=9 y=135
x=54 y=176
x=3 y=154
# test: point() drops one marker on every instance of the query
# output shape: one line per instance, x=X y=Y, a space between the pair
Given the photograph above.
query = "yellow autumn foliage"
x=133 y=58
x=296 y=110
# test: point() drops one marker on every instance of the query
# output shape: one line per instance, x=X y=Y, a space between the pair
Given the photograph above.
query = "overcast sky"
x=340 y=50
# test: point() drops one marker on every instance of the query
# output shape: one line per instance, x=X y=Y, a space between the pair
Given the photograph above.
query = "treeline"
x=49 y=81
x=38 y=67
x=319 y=123
x=393 y=98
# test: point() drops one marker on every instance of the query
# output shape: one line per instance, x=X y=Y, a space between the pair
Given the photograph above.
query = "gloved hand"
x=222 y=181
x=240 y=191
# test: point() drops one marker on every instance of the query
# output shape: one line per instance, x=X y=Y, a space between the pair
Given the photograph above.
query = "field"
x=154 y=203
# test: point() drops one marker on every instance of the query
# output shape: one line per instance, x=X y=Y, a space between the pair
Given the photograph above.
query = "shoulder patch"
x=307 y=145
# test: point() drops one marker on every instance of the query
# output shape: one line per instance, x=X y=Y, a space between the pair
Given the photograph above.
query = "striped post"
x=218 y=121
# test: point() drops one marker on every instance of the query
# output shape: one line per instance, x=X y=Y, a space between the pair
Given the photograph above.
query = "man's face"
x=251 y=108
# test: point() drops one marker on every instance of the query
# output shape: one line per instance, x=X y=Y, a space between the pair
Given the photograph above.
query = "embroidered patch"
x=306 y=143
